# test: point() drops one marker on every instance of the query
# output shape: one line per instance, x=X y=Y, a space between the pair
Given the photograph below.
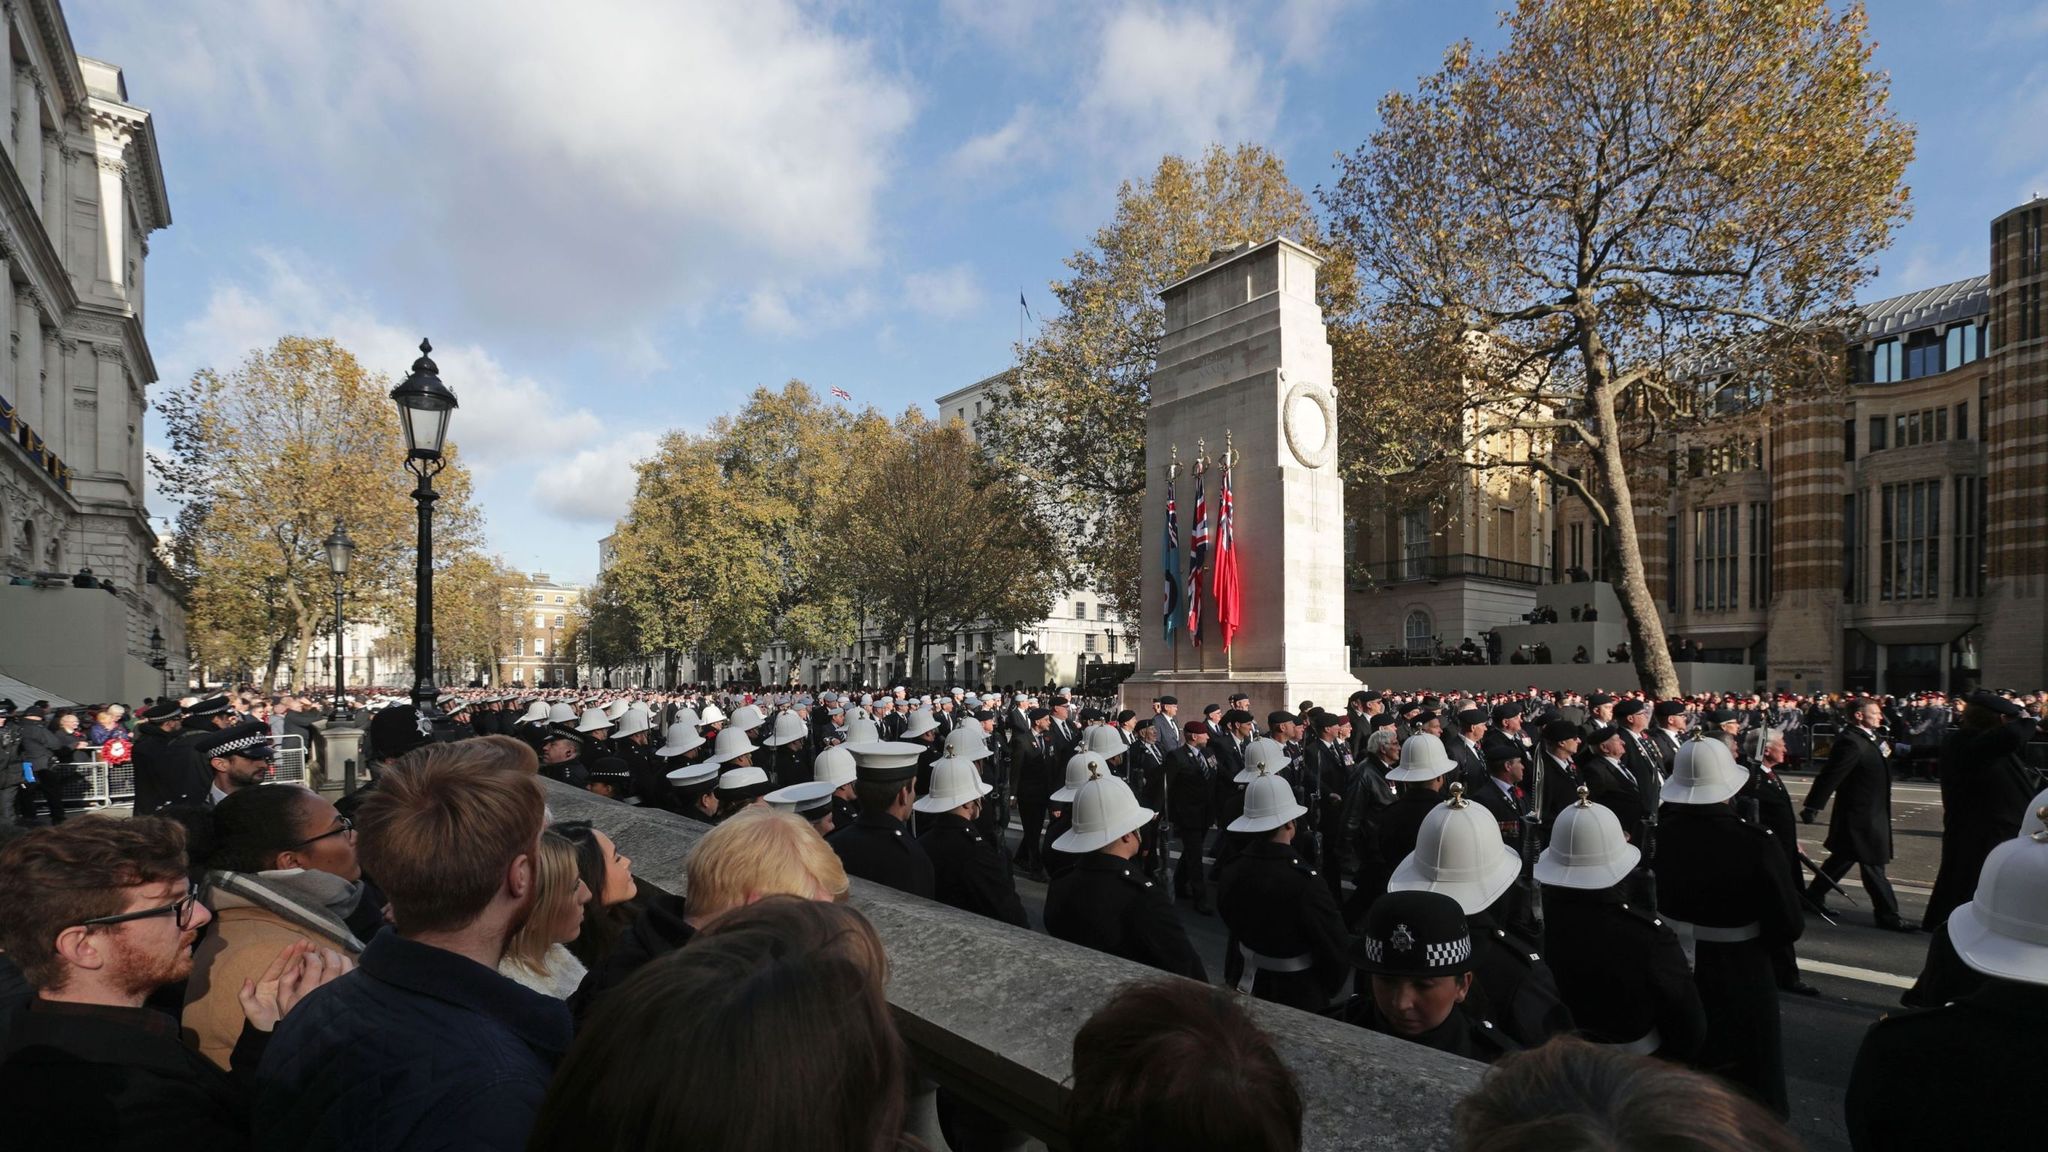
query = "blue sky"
x=621 y=216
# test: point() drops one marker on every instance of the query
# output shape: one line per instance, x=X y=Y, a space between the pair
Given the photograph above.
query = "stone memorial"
x=1245 y=361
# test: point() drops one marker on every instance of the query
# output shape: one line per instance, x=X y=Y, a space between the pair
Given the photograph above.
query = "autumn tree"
x=1639 y=215
x=1070 y=425
x=933 y=539
x=263 y=460
x=477 y=614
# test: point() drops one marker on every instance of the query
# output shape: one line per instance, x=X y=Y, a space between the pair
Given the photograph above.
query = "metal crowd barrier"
x=97 y=784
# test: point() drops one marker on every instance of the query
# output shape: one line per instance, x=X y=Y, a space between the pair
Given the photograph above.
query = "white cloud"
x=1019 y=140
x=1305 y=26
x=947 y=293
x=769 y=312
x=527 y=442
x=564 y=168
x=1177 y=81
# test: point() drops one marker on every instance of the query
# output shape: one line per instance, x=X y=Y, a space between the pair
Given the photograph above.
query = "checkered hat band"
x=1433 y=955
x=233 y=746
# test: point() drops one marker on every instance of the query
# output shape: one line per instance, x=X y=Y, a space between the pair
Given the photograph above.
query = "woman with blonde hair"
x=536 y=956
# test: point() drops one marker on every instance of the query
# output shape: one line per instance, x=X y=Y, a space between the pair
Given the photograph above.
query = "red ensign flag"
x=1227 y=613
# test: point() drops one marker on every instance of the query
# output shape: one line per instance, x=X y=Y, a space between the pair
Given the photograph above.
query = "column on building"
x=1807 y=490
x=2016 y=454
x=28 y=360
x=56 y=402
x=28 y=135
x=112 y=385
x=8 y=386
x=54 y=165
x=113 y=222
x=7 y=100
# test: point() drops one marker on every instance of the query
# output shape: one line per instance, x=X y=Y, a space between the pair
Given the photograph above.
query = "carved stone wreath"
x=1312 y=446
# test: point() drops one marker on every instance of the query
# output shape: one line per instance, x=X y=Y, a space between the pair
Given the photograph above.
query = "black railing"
x=1444 y=567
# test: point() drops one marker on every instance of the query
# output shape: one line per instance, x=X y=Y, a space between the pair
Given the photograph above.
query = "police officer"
x=878 y=846
x=1105 y=901
x=695 y=788
x=158 y=780
x=1417 y=951
x=186 y=768
x=1619 y=967
x=1986 y=1046
x=1723 y=887
x=1287 y=938
x=1459 y=853
x=968 y=869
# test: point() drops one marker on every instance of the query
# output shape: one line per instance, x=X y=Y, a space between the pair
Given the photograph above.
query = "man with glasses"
x=99 y=914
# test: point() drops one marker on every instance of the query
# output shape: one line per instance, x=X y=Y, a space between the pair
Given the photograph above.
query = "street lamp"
x=423 y=407
x=339 y=551
x=158 y=659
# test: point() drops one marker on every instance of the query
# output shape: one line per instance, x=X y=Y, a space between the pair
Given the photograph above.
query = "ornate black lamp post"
x=424 y=404
x=340 y=549
x=158 y=659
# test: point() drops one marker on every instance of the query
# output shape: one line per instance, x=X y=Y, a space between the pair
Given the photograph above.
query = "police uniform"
x=968 y=870
x=1106 y=903
x=1422 y=934
x=1512 y=986
x=1288 y=937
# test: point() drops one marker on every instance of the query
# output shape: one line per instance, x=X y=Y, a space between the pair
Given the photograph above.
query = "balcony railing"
x=1444 y=567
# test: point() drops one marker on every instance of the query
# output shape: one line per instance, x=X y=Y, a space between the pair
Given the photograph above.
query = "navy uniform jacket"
x=968 y=871
x=878 y=848
x=1472 y=1037
x=1512 y=986
x=1107 y=904
x=1608 y=785
x=165 y=772
x=1962 y=1076
x=1621 y=971
x=1274 y=903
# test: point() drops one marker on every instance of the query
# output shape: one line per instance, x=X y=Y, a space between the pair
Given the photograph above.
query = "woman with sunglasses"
x=280 y=865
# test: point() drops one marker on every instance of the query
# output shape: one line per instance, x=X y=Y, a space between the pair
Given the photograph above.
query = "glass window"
x=1088 y=642
x=1418 y=631
x=1909 y=548
x=1923 y=354
x=1941 y=423
x=1963 y=420
x=558 y=598
x=1849 y=549
x=1080 y=610
x=1671 y=562
x=1414 y=545
x=537 y=598
x=558 y=621
x=1877 y=437
x=1900 y=421
x=1849 y=440
x=1925 y=433
x=1968 y=547
x=1759 y=555
x=1887 y=362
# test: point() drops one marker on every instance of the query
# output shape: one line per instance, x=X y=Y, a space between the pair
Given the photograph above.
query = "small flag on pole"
x=1021 y=303
x=1227 y=608
x=1172 y=558
x=842 y=394
x=1198 y=554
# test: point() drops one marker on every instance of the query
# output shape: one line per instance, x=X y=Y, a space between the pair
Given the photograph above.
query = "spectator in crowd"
x=756 y=854
x=1570 y=1095
x=613 y=892
x=45 y=754
x=536 y=956
x=280 y=865
x=99 y=914
x=768 y=1031
x=1174 y=1064
x=452 y=834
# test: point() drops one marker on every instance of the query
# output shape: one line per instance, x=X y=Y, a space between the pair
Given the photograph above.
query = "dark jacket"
x=417 y=1048
x=1107 y=904
x=114 y=1079
x=1512 y=986
x=1621 y=971
x=1979 y=1057
x=165 y=774
x=1984 y=795
x=657 y=930
x=1461 y=1034
x=1277 y=907
x=968 y=870
x=877 y=847
x=1612 y=786
x=1859 y=777
x=1190 y=797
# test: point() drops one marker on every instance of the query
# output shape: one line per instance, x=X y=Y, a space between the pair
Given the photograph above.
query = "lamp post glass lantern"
x=340 y=549
x=159 y=660
x=424 y=406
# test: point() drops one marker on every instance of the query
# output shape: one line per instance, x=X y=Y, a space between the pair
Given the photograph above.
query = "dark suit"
x=878 y=848
x=1037 y=777
x=1615 y=787
x=1278 y=909
x=968 y=870
x=1105 y=903
x=1859 y=777
x=1984 y=795
x=1471 y=765
x=1190 y=809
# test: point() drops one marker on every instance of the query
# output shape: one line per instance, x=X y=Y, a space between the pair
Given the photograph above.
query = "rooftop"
x=1943 y=304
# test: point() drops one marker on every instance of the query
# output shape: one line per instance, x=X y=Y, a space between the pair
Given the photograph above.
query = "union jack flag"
x=1198 y=554
x=842 y=393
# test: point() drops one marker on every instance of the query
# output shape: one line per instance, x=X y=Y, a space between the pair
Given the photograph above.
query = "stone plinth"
x=1245 y=358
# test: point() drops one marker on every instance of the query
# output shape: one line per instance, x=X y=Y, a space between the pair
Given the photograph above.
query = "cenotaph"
x=1245 y=359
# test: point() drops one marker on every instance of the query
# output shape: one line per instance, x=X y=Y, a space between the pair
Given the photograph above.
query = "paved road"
x=1860 y=970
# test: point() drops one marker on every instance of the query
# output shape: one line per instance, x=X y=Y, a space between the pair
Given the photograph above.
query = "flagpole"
x=1201 y=469
x=1229 y=461
x=1172 y=474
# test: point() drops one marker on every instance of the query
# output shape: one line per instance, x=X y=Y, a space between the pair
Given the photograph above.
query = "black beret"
x=1669 y=708
x=1319 y=720
x=1723 y=715
x=1383 y=720
x=1597 y=699
x=1500 y=752
x=1467 y=717
x=1628 y=708
x=1422 y=716
x=1037 y=714
x=1280 y=716
x=1091 y=715
x=1168 y=700
x=1560 y=730
x=1505 y=711
x=1603 y=734
x=1236 y=716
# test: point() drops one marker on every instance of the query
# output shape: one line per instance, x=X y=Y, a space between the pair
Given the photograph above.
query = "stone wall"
x=990 y=1011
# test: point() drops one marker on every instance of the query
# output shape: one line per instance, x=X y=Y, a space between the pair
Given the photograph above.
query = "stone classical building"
x=1891 y=539
x=541 y=650
x=81 y=191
